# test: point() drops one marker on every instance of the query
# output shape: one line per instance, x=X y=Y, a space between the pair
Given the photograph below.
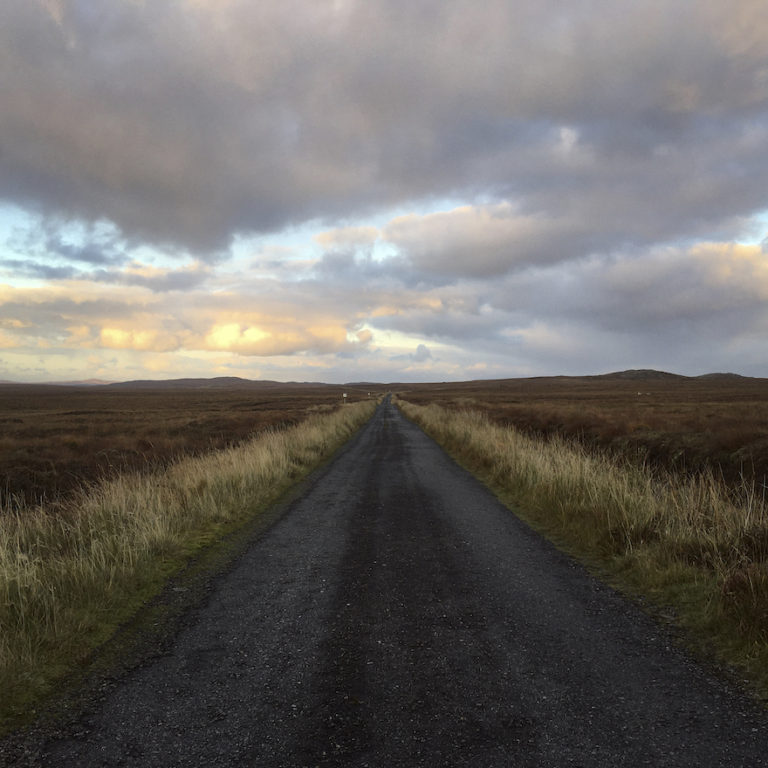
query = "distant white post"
x=344 y=399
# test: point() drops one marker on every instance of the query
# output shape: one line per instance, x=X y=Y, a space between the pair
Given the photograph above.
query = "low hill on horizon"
x=218 y=382
x=236 y=382
x=640 y=374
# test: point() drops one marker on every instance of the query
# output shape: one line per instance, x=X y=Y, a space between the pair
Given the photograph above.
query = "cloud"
x=184 y=123
x=391 y=187
x=117 y=338
x=141 y=315
x=252 y=340
x=24 y=268
x=689 y=309
x=421 y=354
x=158 y=280
x=483 y=241
x=710 y=285
x=346 y=237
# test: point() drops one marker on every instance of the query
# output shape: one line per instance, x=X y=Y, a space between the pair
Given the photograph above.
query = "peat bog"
x=55 y=439
x=678 y=423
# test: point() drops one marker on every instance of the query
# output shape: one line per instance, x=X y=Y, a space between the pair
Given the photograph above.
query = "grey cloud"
x=460 y=328
x=172 y=280
x=686 y=310
x=584 y=146
x=335 y=263
x=670 y=292
x=187 y=123
x=94 y=253
x=484 y=241
x=50 y=318
x=683 y=310
x=421 y=354
x=27 y=268
x=45 y=251
x=358 y=268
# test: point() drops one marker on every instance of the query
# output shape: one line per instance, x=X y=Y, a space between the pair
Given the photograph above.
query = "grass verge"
x=693 y=547
x=71 y=573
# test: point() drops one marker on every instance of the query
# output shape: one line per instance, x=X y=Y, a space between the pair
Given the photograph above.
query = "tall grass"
x=70 y=573
x=690 y=543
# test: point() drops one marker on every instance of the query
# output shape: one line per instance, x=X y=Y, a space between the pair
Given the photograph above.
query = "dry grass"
x=70 y=572
x=690 y=542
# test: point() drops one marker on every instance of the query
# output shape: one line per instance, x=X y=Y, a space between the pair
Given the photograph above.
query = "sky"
x=382 y=190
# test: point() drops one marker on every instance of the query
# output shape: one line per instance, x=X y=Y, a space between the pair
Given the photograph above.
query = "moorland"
x=663 y=420
x=182 y=462
x=55 y=439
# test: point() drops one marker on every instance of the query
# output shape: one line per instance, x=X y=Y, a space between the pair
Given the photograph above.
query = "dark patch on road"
x=398 y=615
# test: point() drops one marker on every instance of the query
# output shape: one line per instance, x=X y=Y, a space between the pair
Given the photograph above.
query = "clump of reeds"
x=693 y=542
x=70 y=573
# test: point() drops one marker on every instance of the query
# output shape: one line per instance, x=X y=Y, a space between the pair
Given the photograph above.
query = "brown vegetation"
x=53 y=439
x=676 y=423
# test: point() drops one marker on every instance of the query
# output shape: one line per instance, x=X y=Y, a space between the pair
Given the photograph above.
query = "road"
x=398 y=615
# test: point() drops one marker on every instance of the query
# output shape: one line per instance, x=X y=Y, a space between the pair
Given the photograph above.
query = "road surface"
x=398 y=615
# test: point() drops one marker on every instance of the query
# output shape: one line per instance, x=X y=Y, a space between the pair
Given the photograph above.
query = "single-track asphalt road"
x=398 y=615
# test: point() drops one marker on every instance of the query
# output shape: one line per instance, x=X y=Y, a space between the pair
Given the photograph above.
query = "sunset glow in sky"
x=393 y=190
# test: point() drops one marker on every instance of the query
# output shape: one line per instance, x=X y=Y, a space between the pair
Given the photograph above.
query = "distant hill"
x=724 y=377
x=236 y=382
x=83 y=383
x=640 y=374
x=361 y=384
x=620 y=379
x=648 y=374
x=220 y=382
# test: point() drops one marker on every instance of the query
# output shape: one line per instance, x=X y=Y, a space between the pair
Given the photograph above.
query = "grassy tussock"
x=690 y=543
x=70 y=573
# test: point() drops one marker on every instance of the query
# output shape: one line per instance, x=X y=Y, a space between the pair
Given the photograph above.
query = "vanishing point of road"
x=397 y=614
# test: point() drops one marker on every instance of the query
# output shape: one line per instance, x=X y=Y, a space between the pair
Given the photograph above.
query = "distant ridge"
x=361 y=384
x=220 y=382
x=82 y=383
x=650 y=374
x=236 y=382
x=723 y=376
x=640 y=374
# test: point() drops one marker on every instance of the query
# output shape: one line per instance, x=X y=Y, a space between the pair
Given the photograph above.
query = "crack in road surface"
x=399 y=615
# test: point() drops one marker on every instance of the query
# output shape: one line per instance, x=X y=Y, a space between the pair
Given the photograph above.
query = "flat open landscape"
x=396 y=614
x=680 y=423
x=56 y=438
x=401 y=614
